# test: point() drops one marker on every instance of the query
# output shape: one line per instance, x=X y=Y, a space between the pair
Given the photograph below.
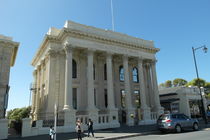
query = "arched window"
x=74 y=69
x=105 y=72
x=121 y=72
x=135 y=75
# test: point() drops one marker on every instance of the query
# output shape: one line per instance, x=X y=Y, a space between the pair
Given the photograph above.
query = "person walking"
x=52 y=133
x=79 y=129
x=90 y=127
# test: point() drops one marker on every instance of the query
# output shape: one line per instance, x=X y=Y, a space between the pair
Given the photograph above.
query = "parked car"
x=177 y=122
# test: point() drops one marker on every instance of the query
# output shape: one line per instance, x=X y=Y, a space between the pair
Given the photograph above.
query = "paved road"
x=190 y=135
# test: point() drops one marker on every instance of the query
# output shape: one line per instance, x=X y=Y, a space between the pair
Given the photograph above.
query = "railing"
x=48 y=119
x=82 y=118
x=154 y=115
x=103 y=118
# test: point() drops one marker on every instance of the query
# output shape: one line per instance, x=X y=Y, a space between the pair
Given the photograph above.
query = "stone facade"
x=95 y=73
x=8 y=51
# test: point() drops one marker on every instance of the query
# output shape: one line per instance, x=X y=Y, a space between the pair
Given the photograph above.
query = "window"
x=122 y=98
x=74 y=98
x=135 y=75
x=94 y=96
x=121 y=72
x=94 y=72
x=105 y=98
x=74 y=69
x=105 y=72
x=137 y=99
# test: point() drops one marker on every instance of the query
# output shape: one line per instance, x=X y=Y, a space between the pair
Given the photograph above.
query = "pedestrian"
x=52 y=133
x=79 y=129
x=90 y=127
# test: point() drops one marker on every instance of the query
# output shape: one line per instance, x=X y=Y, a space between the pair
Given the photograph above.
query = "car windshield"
x=163 y=117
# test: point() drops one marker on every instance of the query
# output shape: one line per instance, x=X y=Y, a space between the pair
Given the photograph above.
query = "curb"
x=128 y=136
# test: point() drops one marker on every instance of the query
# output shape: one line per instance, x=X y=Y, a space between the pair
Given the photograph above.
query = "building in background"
x=94 y=73
x=185 y=100
x=8 y=52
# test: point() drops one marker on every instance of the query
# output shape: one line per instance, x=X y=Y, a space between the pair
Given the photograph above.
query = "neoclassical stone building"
x=8 y=52
x=94 y=73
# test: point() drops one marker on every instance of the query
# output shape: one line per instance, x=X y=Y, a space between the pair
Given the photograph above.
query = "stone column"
x=113 y=111
x=34 y=93
x=92 y=110
x=68 y=79
x=69 y=112
x=144 y=108
x=36 y=112
x=130 y=111
x=41 y=107
x=158 y=107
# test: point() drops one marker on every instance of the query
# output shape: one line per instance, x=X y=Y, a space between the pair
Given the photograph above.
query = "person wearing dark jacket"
x=90 y=127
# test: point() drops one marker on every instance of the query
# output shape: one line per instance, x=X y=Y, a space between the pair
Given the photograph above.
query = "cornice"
x=15 y=48
x=93 y=34
x=97 y=38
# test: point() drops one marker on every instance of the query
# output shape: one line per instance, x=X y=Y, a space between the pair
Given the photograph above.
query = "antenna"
x=112 y=16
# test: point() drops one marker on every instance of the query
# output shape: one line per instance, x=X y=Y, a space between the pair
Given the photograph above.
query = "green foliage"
x=195 y=82
x=19 y=113
x=179 y=82
x=168 y=84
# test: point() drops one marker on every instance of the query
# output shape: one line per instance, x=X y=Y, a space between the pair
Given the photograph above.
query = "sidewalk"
x=107 y=134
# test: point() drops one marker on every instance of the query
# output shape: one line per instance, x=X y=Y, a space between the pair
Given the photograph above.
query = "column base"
x=130 y=114
x=146 y=112
x=93 y=115
x=160 y=110
x=69 y=116
x=113 y=116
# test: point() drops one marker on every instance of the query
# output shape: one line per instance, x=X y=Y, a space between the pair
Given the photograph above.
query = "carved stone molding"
x=52 y=53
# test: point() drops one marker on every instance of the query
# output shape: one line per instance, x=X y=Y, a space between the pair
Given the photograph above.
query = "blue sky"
x=174 y=25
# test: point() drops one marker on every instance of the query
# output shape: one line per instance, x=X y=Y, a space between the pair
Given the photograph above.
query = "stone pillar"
x=26 y=127
x=37 y=94
x=92 y=110
x=69 y=112
x=34 y=93
x=158 y=107
x=68 y=79
x=41 y=107
x=145 y=109
x=184 y=106
x=3 y=129
x=130 y=111
x=113 y=111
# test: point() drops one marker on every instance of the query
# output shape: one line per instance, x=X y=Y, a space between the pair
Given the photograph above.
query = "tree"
x=168 y=84
x=19 y=113
x=16 y=115
x=179 y=82
x=195 y=82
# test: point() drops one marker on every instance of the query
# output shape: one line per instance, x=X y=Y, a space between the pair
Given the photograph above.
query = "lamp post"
x=199 y=86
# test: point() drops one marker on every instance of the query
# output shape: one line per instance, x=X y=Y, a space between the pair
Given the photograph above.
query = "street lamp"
x=199 y=86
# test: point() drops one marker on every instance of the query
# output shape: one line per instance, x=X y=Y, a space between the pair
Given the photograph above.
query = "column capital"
x=154 y=61
x=68 y=47
x=125 y=57
x=52 y=53
x=90 y=51
x=140 y=60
